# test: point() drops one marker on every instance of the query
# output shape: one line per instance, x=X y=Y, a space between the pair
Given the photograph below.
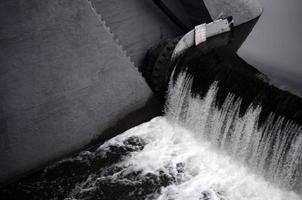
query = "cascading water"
x=272 y=150
x=197 y=151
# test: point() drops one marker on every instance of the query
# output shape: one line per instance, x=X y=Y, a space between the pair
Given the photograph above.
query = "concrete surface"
x=63 y=82
x=65 y=75
x=241 y=10
x=274 y=46
x=138 y=25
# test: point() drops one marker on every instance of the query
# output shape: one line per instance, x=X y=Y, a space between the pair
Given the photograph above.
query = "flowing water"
x=199 y=171
x=196 y=151
x=273 y=150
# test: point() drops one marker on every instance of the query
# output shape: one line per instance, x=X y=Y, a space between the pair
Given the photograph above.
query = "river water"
x=198 y=151
x=195 y=151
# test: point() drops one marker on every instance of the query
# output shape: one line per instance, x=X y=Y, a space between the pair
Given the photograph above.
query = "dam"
x=95 y=104
x=196 y=150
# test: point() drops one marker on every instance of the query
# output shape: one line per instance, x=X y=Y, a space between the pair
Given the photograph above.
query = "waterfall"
x=272 y=149
x=200 y=150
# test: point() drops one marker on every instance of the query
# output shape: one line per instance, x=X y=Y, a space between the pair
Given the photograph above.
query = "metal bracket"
x=200 y=34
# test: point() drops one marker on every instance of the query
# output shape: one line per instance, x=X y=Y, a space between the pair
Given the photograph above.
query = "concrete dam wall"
x=69 y=71
x=63 y=82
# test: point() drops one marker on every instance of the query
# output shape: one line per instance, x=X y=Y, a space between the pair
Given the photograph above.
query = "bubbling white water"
x=211 y=153
x=274 y=150
x=206 y=172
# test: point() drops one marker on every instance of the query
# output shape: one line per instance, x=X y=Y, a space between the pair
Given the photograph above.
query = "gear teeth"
x=114 y=38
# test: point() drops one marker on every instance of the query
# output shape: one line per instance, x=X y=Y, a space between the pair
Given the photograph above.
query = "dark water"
x=273 y=47
x=196 y=151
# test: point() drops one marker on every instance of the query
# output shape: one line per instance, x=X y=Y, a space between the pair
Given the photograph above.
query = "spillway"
x=70 y=79
x=197 y=150
x=272 y=149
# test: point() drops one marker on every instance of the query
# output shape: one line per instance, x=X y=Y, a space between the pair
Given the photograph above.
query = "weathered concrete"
x=64 y=79
x=63 y=82
x=138 y=25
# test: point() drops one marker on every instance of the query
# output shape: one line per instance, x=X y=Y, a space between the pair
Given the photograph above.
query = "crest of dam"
x=271 y=148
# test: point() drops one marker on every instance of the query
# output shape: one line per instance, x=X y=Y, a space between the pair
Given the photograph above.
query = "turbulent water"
x=197 y=170
x=197 y=151
x=200 y=152
x=274 y=149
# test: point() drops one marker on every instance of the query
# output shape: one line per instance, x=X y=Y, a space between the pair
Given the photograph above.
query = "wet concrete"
x=217 y=60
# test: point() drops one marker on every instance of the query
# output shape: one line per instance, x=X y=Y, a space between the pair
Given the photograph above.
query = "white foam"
x=215 y=153
x=273 y=150
x=207 y=172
